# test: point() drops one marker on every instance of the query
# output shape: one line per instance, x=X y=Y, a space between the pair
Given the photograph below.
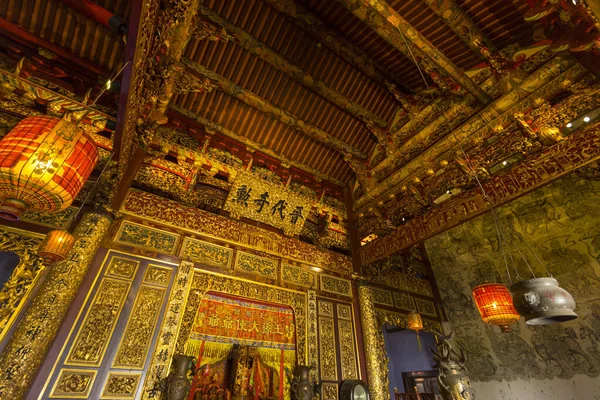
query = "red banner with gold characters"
x=223 y=319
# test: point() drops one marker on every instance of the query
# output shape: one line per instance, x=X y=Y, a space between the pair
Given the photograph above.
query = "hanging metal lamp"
x=415 y=322
x=495 y=305
x=542 y=302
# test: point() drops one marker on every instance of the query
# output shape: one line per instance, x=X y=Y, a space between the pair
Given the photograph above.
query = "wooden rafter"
x=394 y=29
x=190 y=118
x=336 y=42
x=253 y=100
x=263 y=51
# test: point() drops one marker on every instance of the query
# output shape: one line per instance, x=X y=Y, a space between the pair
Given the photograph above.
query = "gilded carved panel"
x=325 y=308
x=124 y=268
x=206 y=253
x=329 y=391
x=59 y=220
x=327 y=352
x=404 y=301
x=73 y=384
x=147 y=238
x=425 y=307
x=336 y=285
x=344 y=311
x=165 y=346
x=312 y=339
x=171 y=213
x=347 y=349
x=298 y=275
x=136 y=340
x=256 y=265
x=97 y=327
x=382 y=296
x=121 y=385
x=157 y=275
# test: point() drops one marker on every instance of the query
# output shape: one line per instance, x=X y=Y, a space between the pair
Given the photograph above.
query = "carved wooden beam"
x=468 y=31
x=261 y=104
x=192 y=119
x=544 y=83
x=336 y=42
x=579 y=149
x=390 y=25
x=263 y=51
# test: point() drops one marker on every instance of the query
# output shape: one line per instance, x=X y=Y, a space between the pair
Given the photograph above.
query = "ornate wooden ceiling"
x=327 y=88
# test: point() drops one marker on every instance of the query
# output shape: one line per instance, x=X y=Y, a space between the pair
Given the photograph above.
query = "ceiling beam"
x=394 y=29
x=191 y=118
x=539 y=170
x=468 y=31
x=266 y=53
x=337 y=43
x=253 y=100
x=545 y=83
x=21 y=35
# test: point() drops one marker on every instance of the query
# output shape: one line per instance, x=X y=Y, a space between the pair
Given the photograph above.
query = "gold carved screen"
x=108 y=350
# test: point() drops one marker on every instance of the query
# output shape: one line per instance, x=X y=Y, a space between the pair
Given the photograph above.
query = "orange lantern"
x=56 y=246
x=44 y=162
x=495 y=305
x=415 y=323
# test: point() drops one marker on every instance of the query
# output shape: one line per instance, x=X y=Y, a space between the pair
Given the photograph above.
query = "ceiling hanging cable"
x=540 y=300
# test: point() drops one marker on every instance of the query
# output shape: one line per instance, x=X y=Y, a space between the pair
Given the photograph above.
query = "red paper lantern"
x=495 y=305
x=56 y=246
x=44 y=162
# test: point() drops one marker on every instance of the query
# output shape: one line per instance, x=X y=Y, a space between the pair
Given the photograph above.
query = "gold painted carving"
x=336 y=285
x=171 y=213
x=122 y=268
x=148 y=238
x=99 y=323
x=325 y=308
x=157 y=275
x=59 y=220
x=140 y=328
x=347 y=349
x=425 y=307
x=73 y=384
x=121 y=385
x=344 y=311
x=312 y=350
x=329 y=391
x=404 y=301
x=298 y=275
x=165 y=346
x=31 y=340
x=382 y=296
x=256 y=265
x=16 y=289
x=259 y=200
x=327 y=353
x=206 y=253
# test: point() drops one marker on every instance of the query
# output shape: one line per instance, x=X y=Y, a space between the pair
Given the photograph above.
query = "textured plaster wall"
x=561 y=222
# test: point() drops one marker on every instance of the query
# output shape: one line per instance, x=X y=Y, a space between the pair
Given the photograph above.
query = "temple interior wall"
x=560 y=222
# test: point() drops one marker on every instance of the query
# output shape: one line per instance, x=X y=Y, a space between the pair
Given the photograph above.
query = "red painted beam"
x=27 y=38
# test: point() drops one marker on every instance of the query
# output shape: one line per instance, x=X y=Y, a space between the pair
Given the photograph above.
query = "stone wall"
x=561 y=223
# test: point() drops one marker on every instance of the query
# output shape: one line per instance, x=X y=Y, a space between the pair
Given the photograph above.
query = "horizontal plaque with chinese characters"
x=272 y=204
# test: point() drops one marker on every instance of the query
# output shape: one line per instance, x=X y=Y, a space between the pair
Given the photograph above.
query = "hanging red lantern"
x=415 y=322
x=495 y=305
x=44 y=162
x=56 y=246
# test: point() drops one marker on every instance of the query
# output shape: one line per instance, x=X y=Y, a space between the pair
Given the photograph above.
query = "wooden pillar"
x=29 y=345
x=376 y=359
